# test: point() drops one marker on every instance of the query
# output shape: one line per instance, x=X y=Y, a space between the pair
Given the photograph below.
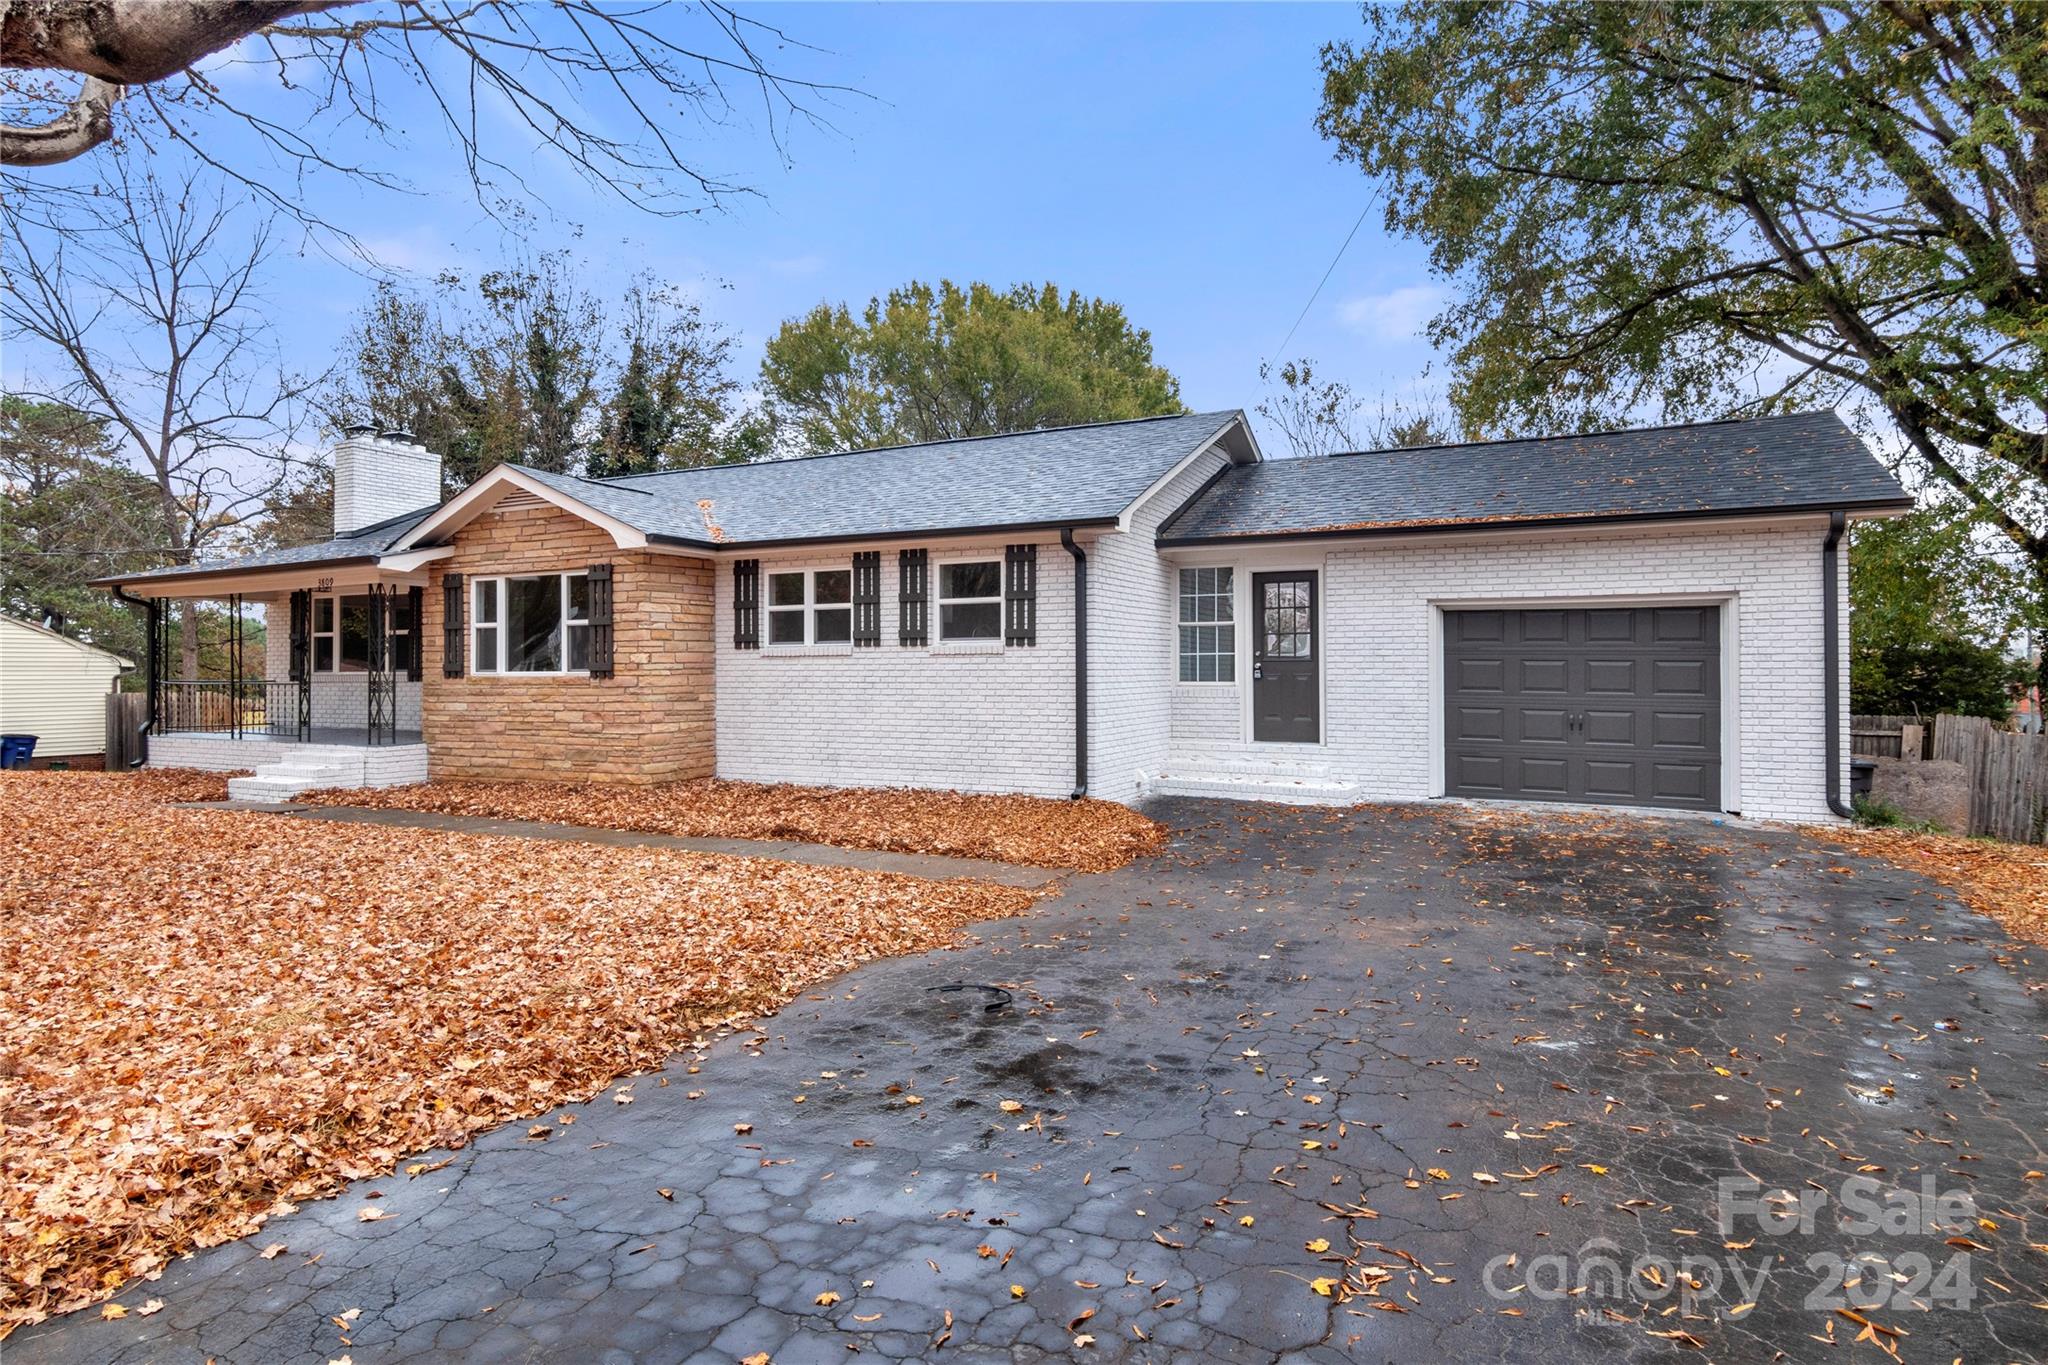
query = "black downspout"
x=1080 y=661
x=151 y=611
x=1831 y=640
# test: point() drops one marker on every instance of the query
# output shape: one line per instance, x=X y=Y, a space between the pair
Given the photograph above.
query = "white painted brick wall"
x=1379 y=730
x=970 y=718
x=1132 y=642
x=376 y=479
x=384 y=765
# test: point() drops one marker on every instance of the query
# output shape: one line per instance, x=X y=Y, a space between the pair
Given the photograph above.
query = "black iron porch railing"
x=275 y=708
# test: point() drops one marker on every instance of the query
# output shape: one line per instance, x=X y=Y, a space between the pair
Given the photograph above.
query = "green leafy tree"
x=1704 y=209
x=1940 y=615
x=929 y=364
x=525 y=364
x=674 y=403
x=71 y=510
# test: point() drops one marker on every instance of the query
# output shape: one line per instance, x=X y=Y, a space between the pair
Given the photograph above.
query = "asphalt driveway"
x=1545 y=1086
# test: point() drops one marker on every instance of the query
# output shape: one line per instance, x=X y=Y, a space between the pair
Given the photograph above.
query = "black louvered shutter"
x=451 y=625
x=867 y=599
x=1020 y=595
x=913 y=600
x=600 y=620
x=302 y=635
x=746 y=604
x=415 y=599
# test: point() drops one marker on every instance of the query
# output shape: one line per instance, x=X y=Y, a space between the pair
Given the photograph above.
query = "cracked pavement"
x=1289 y=1010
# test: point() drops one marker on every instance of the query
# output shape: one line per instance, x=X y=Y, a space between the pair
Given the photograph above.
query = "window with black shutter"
x=600 y=616
x=451 y=625
x=867 y=599
x=913 y=601
x=1020 y=595
x=746 y=604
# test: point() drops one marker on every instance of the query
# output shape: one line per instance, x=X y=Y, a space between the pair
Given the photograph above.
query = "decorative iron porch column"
x=381 y=688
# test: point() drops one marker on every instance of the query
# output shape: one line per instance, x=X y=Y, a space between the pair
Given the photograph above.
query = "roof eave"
x=229 y=570
x=1868 y=507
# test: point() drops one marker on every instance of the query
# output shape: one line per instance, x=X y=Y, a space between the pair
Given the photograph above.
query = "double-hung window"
x=341 y=633
x=971 y=599
x=1208 y=630
x=531 y=623
x=810 y=607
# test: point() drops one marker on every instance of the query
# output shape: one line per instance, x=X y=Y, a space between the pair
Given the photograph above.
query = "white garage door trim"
x=1731 y=668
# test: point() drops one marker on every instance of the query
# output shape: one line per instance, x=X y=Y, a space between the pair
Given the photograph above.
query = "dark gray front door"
x=1286 y=704
x=1615 y=705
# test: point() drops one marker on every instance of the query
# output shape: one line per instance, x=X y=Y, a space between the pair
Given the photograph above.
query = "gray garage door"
x=1618 y=705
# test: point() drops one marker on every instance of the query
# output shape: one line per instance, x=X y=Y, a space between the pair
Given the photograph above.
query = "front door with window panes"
x=1286 y=693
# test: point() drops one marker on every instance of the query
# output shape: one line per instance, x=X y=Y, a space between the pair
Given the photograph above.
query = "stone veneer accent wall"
x=650 y=722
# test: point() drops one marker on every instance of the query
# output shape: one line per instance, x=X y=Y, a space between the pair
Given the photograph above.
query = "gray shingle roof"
x=364 y=544
x=1064 y=476
x=1767 y=464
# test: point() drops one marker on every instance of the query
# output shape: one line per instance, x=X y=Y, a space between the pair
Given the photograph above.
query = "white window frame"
x=940 y=601
x=810 y=608
x=334 y=599
x=332 y=634
x=495 y=667
x=1227 y=657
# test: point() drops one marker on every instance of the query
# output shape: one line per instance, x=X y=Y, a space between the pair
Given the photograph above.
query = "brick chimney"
x=379 y=475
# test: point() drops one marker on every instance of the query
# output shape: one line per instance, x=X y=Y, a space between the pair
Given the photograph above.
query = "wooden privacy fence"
x=2008 y=776
x=125 y=713
x=1878 y=736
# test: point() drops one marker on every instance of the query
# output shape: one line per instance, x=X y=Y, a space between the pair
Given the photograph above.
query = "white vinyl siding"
x=55 y=689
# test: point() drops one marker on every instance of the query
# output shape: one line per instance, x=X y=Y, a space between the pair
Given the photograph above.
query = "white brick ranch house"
x=1646 y=618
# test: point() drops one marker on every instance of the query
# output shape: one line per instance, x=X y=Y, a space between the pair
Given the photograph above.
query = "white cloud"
x=1395 y=315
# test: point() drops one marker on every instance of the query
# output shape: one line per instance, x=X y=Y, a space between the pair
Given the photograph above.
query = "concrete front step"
x=284 y=780
x=1251 y=786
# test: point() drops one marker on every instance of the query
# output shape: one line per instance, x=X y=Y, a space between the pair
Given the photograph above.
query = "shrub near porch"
x=208 y=1015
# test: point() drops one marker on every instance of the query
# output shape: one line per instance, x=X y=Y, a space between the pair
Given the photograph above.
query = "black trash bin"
x=1862 y=772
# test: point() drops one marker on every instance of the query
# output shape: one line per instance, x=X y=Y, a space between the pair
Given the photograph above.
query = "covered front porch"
x=319 y=686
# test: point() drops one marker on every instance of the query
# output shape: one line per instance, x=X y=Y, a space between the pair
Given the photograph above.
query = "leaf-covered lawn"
x=208 y=1015
x=2008 y=882
x=1088 y=835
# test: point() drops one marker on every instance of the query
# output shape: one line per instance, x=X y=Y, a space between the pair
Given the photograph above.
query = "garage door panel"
x=1611 y=627
x=1683 y=730
x=1610 y=779
x=1610 y=704
x=1480 y=723
x=1685 y=782
x=1480 y=772
x=1548 y=776
x=1481 y=675
x=1609 y=727
x=1612 y=677
x=1681 y=677
x=1685 y=625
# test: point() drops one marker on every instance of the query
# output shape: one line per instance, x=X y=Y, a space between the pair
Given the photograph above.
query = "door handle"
x=1258 y=671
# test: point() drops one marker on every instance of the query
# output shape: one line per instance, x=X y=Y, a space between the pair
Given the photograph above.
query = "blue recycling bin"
x=16 y=750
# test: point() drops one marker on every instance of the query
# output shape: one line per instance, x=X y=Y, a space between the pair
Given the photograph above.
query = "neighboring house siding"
x=650 y=722
x=54 y=689
x=1381 y=728
x=1131 y=641
x=977 y=717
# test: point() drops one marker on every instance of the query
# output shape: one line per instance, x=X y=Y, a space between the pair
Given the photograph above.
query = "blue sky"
x=1163 y=156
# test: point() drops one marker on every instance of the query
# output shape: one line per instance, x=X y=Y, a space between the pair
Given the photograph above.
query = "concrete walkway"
x=788 y=851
